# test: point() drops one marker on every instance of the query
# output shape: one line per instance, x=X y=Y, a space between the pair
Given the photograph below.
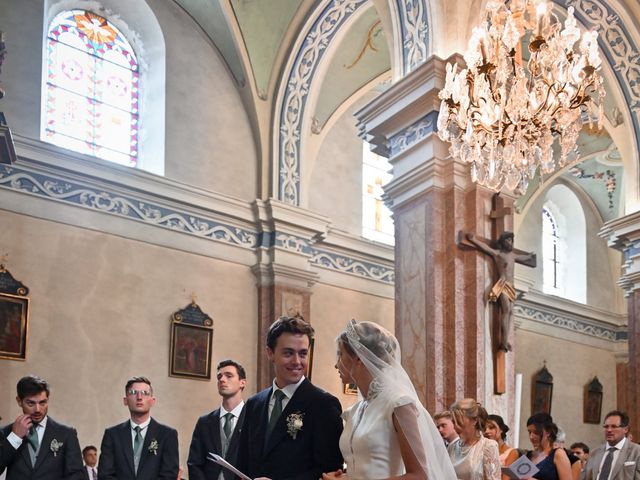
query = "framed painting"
x=14 y=326
x=191 y=344
x=350 y=389
x=310 y=359
x=542 y=392
x=593 y=402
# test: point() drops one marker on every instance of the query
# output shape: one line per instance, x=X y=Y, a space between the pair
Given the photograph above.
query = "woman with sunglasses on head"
x=474 y=457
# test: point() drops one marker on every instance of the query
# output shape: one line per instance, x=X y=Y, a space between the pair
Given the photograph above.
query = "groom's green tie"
x=32 y=438
x=278 y=395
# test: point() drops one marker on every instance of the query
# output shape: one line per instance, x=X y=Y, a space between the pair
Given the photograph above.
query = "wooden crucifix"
x=502 y=294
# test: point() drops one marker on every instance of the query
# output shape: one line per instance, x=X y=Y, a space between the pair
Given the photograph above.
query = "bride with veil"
x=388 y=433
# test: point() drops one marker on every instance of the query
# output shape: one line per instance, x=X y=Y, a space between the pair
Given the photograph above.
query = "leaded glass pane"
x=92 y=88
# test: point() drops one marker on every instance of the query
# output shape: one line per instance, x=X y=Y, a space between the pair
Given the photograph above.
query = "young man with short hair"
x=37 y=447
x=219 y=431
x=140 y=448
x=90 y=457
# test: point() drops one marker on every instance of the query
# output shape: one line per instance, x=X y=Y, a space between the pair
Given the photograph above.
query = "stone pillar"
x=284 y=279
x=442 y=317
x=624 y=234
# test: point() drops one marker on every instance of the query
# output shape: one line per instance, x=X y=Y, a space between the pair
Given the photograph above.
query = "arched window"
x=550 y=246
x=92 y=89
x=377 y=223
x=564 y=251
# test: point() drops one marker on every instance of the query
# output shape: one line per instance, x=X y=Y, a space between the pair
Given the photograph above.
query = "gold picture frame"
x=191 y=344
x=14 y=326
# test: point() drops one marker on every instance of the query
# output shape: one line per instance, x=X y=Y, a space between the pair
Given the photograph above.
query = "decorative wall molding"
x=414 y=28
x=412 y=134
x=297 y=83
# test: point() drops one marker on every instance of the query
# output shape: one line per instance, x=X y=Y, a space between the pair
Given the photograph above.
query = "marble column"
x=284 y=279
x=624 y=234
x=442 y=317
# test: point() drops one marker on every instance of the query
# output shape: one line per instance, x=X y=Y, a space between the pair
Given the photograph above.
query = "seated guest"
x=553 y=463
x=496 y=429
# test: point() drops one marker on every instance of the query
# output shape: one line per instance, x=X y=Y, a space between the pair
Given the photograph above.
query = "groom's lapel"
x=263 y=418
x=298 y=403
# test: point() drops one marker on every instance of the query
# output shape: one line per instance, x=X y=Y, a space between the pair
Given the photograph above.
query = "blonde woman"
x=474 y=457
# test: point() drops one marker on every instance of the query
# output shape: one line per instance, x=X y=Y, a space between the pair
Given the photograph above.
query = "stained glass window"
x=92 y=88
x=377 y=223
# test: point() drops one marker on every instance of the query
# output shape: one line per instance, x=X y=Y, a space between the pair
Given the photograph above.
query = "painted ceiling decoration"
x=414 y=28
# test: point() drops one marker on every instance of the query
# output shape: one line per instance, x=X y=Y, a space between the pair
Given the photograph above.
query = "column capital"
x=623 y=234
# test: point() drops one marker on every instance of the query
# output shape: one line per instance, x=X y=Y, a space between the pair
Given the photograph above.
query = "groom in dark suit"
x=140 y=448
x=219 y=431
x=291 y=429
x=35 y=446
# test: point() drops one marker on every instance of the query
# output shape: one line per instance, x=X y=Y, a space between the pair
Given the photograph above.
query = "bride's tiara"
x=351 y=331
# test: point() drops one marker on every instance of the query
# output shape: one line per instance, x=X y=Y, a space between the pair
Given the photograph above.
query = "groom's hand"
x=333 y=475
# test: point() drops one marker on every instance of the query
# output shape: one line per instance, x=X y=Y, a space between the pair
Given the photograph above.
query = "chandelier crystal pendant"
x=503 y=116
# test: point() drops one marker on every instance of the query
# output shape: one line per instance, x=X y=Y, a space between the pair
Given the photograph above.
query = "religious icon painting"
x=14 y=317
x=542 y=392
x=191 y=343
x=593 y=402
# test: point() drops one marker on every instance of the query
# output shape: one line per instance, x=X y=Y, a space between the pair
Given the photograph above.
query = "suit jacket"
x=626 y=467
x=65 y=464
x=206 y=438
x=315 y=447
x=116 y=453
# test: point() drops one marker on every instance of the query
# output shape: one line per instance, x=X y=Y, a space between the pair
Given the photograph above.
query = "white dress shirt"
x=16 y=441
x=618 y=446
x=288 y=391
x=143 y=429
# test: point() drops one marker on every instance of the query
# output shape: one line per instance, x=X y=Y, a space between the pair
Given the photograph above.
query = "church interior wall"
x=573 y=366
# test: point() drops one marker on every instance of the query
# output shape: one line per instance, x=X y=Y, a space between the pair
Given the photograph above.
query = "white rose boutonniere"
x=153 y=447
x=294 y=424
x=55 y=447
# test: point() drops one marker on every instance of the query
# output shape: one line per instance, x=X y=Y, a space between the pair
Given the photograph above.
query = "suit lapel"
x=45 y=446
x=262 y=408
x=214 y=430
x=126 y=444
x=597 y=460
x=236 y=431
x=622 y=457
x=152 y=434
x=297 y=403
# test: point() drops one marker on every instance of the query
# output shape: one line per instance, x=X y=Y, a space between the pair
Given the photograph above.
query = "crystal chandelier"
x=503 y=116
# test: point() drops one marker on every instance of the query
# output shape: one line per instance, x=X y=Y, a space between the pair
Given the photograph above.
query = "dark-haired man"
x=291 y=429
x=618 y=458
x=219 y=431
x=90 y=457
x=581 y=450
x=37 y=447
x=140 y=448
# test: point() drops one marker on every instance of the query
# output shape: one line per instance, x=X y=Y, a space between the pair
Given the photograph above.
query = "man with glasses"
x=140 y=448
x=35 y=445
x=219 y=431
x=618 y=458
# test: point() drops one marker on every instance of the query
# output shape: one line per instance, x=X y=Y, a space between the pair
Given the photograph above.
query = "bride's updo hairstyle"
x=468 y=407
x=374 y=338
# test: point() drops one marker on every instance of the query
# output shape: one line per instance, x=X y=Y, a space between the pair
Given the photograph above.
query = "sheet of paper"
x=521 y=468
x=222 y=462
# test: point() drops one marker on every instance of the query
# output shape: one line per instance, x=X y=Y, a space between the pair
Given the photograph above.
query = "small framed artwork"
x=191 y=344
x=350 y=389
x=14 y=316
x=593 y=401
x=542 y=392
x=14 y=326
x=310 y=359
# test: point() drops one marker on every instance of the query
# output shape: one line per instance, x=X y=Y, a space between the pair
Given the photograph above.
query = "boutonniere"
x=294 y=424
x=153 y=447
x=55 y=447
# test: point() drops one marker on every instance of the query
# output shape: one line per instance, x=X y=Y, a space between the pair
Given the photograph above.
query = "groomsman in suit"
x=219 y=431
x=36 y=447
x=618 y=458
x=292 y=428
x=90 y=457
x=140 y=448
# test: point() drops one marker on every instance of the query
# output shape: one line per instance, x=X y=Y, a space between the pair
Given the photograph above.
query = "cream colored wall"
x=336 y=179
x=573 y=366
x=331 y=309
x=209 y=143
x=100 y=313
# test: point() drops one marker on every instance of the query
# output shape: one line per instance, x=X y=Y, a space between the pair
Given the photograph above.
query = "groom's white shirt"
x=288 y=391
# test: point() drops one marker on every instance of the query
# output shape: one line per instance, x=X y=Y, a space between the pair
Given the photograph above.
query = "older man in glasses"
x=619 y=457
x=140 y=448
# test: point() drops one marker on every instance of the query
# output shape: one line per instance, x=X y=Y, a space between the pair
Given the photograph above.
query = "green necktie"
x=137 y=447
x=32 y=438
x=226 y=428
x=277 y=410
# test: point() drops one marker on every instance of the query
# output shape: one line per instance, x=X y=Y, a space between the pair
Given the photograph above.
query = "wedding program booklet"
x=222 y=462
x=521 y=468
